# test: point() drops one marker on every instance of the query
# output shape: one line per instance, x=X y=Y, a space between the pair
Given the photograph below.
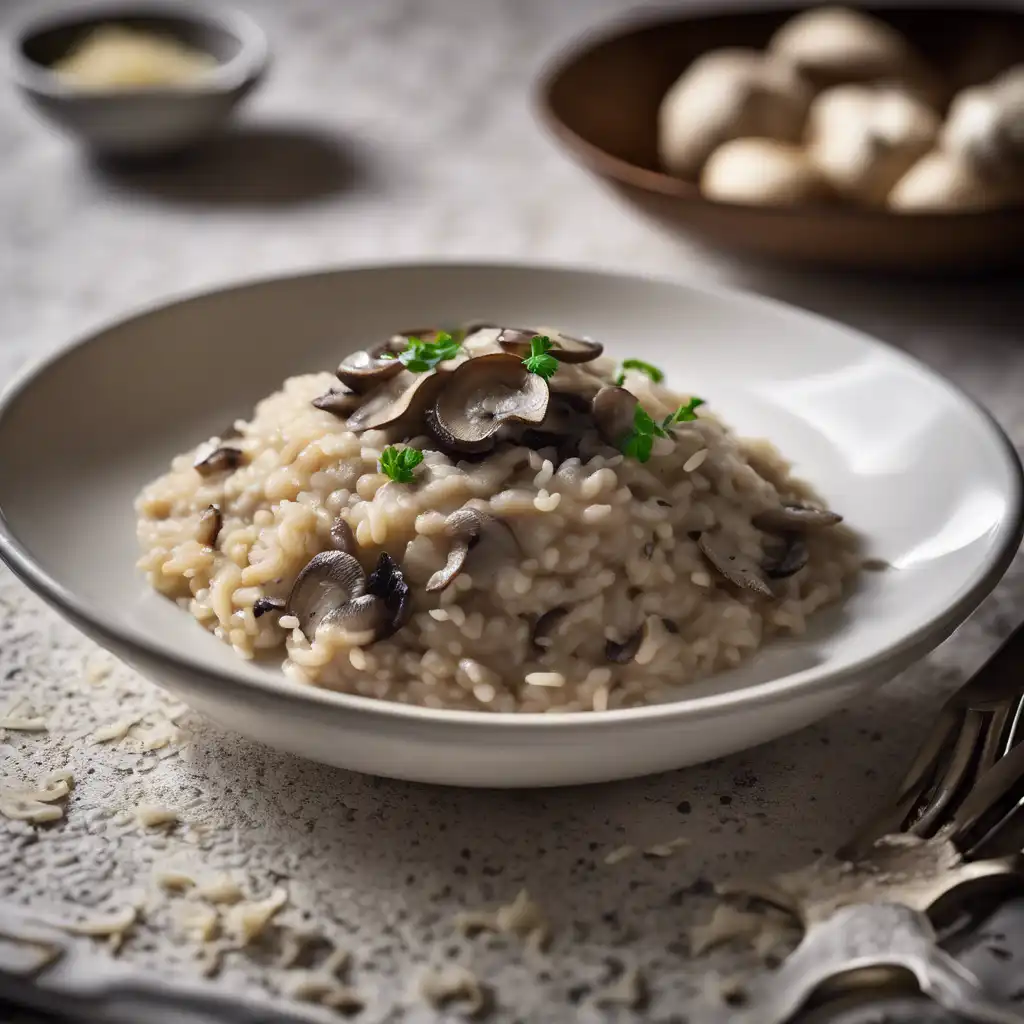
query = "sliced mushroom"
x=613 y=409
x=220 y=460
x=387 y=585
x=339 y=401
x=262 y=605
x=365 y=370
x=568 y=417
x=482 y=396
x=622 y=654
x=332 y=587
x=401 y=402
x=787 y=558
x=210 y=521
x=465 y=527
x=342 y=536
x=566 y=349
x=540 y=635
x=793 y=518
x=735 y=567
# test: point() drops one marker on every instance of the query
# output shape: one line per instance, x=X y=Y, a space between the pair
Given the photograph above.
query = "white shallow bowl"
x=921 y=471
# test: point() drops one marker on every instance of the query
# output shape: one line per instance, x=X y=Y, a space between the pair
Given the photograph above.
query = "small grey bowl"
x=147 y=121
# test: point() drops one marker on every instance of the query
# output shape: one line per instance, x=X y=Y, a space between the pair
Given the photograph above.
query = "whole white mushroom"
x=985 y=126
x=723 y=95
x=944 y=182
x=864 y=139
x=762 y=172
x=836 y=45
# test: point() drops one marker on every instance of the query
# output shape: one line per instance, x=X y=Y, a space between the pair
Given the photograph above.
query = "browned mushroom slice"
x=219 y=460
x=793 y=518
x=262 y=605
x=482 y=396
x=363 y=371
x=564 y=348
x=333 y=586
x=210 y=522
x=786 y=559
x=613 y=409
x=622 y=654
x=339 y=401
x=735 y=567
x=540 y=636
x=465 y=527
x=402 y=401
x=341 y=535
x=387 y=584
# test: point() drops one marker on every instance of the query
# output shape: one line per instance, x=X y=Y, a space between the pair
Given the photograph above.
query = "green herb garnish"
x=637 y=444
x=638 y=364
x=685 y=413
x=538 y=361
x=421 y=356
x=399 y=463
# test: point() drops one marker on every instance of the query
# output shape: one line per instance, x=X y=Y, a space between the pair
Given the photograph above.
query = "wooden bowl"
x=601 y=101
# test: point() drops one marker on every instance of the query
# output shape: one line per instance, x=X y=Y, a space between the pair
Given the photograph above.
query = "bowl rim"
x=898 y=654
x=249 y=63
x=662 y=183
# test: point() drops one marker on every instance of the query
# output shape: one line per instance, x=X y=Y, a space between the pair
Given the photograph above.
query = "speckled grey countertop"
x=391 y=131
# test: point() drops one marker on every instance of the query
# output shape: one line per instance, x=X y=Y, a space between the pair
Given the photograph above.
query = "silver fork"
x=966 y=786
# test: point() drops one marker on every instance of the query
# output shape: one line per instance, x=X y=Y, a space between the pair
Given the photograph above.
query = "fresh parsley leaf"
x=638 y=446
x=420 y=356
x=638 y=364
x=639 y=442
x=685 y=413
x=538 y=361
x=398 y=464
x=644 y=424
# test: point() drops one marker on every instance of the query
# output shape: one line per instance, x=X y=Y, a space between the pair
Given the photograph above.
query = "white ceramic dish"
x=922 y=472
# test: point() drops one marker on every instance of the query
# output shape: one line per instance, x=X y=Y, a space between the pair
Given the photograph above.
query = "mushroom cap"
x=787 y=558
x=613 y=409
x=221 y=459
x=792 y=518
x=339 y=401
x=466 y=526
x=481 y=396
x=208 y=528
x=864 y=138
x=564 y=347
x=362 y=371
x=723 y=95
x=764 y=173
x=399 y=403
x=386 y=584
x=331 y=585
x=942 y=181
x=985 y=126
x=732 y=564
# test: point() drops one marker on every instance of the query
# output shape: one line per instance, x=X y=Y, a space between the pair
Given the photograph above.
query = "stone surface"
x=397 y=131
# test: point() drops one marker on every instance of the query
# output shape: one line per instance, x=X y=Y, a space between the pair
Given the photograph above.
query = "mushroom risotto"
x=499 y=519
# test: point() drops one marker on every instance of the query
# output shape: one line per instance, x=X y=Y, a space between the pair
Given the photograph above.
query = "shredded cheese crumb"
x=666 y=849
x=20 y=723
x=454 y=983
x=726 y=924
x=112 y=926
x=113 y=730
x=522 y=917
x=620 y=854
x=220 y=889
x=245 y=922
x=155 y=815
x=198 y=921
x=630 y=990
x=36 y=806
x=173 y=879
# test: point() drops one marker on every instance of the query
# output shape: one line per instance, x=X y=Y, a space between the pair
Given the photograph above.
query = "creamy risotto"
x=498 y=519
